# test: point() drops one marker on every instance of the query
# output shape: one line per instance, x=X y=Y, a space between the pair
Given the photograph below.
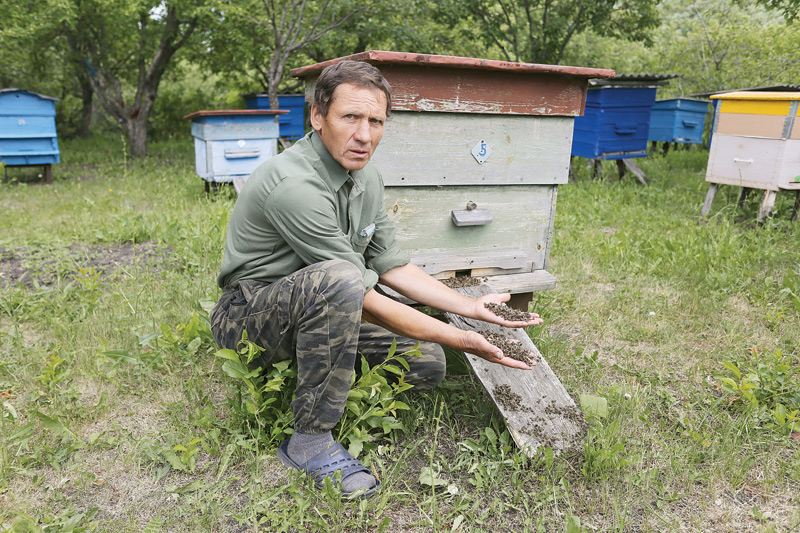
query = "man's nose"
x=362 y=131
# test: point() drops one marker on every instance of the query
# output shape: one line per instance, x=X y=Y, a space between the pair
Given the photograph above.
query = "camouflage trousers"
x=314 y=315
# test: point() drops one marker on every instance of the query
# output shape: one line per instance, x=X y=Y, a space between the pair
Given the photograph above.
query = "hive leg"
x=796 y=207
x=766 y=205
x=621 y=168
x=598 y=168
x=634 y=168
x=48 y=173
x=712 y=191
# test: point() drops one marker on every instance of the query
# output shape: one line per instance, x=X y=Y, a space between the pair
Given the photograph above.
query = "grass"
x=117 y=415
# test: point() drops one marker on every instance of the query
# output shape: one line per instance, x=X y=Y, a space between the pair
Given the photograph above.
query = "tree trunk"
x=136 y=129
x=86 y=109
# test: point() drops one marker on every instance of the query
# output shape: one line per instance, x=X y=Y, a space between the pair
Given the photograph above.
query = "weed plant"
x=677 y=334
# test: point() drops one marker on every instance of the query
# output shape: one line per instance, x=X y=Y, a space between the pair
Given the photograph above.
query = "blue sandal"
x=326 y=464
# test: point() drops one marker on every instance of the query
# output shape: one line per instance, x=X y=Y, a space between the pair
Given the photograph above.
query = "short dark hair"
x=347 y=71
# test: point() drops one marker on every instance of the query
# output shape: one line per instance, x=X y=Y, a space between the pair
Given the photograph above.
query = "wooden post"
x=598 y=168
x=712 y=191
x=796 y=206
x=634 y=168
x=766 y=206
x=620 y=168
x=520 y=301
x=48 y=173
x=536 y=406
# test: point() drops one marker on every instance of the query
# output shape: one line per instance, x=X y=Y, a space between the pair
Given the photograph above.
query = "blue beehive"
x=28 y=129
x=678 y=120
x=292 y=124
x=231 y=143
x=617 y=117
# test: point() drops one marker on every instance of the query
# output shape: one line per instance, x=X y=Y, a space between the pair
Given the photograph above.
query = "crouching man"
x=307 y=242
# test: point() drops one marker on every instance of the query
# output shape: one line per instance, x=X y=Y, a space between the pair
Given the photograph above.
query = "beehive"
x=678 y=120
x=617 y=118
x=292 y=124
x=28 y=130
x=756 y=141
x=232 y=143
x=472 y=157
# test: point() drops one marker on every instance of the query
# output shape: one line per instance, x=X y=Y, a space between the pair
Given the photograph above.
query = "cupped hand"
x=476 y=344
x=487 y=315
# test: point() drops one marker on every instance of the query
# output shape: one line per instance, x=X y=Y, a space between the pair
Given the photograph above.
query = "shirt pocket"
x=360 y=242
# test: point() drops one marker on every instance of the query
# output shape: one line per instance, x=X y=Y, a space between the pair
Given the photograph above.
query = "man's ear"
x=316 y=118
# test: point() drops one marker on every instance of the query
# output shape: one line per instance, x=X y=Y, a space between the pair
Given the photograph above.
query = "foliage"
x=124 y=49
x=265 y=408
x=714 y=45
x=766 y=388
x=539 y=31
x=789 y=8
x=372 y=406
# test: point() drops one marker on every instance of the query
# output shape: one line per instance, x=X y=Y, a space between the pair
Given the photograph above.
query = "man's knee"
x=427 y=371
x=341 y=278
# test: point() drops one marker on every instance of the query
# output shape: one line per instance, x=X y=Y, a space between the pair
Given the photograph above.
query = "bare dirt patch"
x=25 y=266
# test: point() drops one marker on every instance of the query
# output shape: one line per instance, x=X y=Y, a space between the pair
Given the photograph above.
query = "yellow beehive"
x=756 y=141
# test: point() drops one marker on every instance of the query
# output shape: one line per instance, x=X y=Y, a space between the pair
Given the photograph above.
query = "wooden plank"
x=744 y=161
x=425 y=82
x=505 y=260
x=712 y=192
x=768 y=126
x=635 y=170
x=540 y=280
x=382 y=57
x=522 y=220
x=756 y=107
x=767 y=205
x=537 y=408
x=424 y=149
x=526 y=283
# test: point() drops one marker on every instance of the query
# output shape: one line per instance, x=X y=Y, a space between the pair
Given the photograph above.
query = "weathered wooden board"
x=758 y=163
x=522 y=220
x=424 y=82
x=537 y=408
x=436 y=149
x=769 y=126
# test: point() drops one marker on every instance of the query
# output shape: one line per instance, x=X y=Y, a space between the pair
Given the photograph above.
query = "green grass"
x=117 y=415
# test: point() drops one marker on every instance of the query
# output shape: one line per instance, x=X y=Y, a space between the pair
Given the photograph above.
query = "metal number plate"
x=481 y=151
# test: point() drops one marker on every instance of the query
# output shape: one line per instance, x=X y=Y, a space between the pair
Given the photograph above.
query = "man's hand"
x=476 y=344
x=481 y=312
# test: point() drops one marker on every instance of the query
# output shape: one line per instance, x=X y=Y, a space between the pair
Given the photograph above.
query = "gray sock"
x=305 y=446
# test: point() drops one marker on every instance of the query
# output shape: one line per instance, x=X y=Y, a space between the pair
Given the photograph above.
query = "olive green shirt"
x=302 y=207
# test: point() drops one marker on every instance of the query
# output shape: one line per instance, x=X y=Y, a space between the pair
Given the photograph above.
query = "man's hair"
x=358 y=73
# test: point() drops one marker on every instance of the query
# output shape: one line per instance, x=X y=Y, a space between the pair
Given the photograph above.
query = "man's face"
x=354 y=125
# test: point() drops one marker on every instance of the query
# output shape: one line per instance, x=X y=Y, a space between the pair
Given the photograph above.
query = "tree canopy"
x=141 y=63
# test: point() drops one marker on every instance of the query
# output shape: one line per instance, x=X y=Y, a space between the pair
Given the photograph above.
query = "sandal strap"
x=334 y=459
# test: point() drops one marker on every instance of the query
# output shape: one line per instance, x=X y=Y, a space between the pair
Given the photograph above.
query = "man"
x=307 y=242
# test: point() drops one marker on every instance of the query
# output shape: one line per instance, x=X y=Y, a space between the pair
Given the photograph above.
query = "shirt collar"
x=337 y=175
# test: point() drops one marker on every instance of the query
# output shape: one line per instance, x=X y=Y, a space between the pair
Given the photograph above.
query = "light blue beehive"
x=28 y=129
x=232 y=143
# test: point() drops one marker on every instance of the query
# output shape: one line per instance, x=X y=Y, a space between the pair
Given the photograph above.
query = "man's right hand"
x=476 y=344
